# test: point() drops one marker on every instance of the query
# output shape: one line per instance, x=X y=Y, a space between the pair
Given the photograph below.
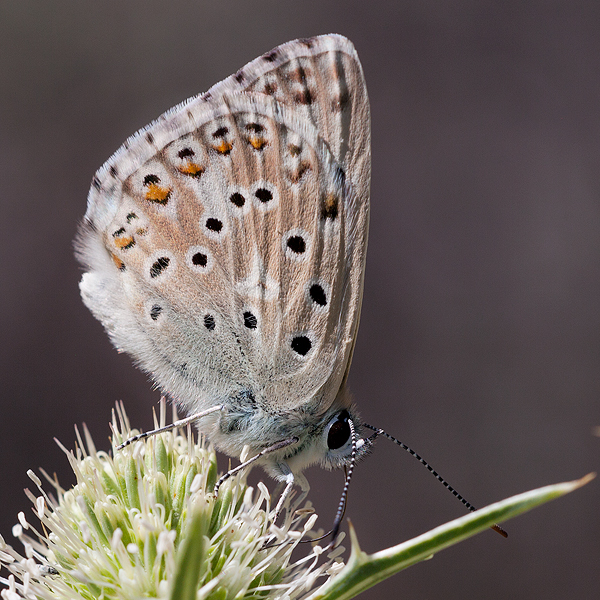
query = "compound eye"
x=339 y=432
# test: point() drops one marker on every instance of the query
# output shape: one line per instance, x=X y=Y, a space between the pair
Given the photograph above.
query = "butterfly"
x=224 y=249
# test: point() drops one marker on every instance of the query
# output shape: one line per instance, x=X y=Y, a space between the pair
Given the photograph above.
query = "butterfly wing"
x=322 y=79
x=225 y=247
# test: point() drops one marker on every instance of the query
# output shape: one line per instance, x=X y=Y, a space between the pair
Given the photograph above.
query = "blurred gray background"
x=480 y=337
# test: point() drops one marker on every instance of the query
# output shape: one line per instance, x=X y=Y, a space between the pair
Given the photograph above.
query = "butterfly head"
x=331 y=440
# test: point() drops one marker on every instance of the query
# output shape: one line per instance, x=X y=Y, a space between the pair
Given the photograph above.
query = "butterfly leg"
x=289 y=485
x=264 y=452
x=180 y=423
x=290 y=480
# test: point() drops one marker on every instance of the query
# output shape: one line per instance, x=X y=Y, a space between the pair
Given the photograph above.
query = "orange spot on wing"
x=124 y=243
x=157 y=193
x=329 y=209
x=191 y=169
x=118 y=262
x=258 y=143
x=223 y=147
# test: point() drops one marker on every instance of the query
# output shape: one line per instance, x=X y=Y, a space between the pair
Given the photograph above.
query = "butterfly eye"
x=339 y=431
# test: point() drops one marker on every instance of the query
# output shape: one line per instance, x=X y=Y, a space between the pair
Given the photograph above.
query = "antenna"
x=378 y=431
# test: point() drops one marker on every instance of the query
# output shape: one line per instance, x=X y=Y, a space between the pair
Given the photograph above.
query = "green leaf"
x=364 y=571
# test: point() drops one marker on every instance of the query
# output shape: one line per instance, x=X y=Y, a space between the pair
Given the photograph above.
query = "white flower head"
x=143 y=522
